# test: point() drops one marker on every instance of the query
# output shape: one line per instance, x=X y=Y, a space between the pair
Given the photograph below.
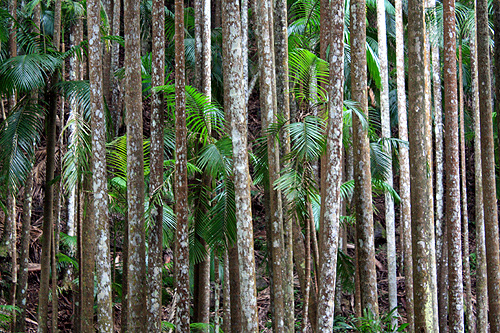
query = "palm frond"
x=20 y=132
x=26 y=73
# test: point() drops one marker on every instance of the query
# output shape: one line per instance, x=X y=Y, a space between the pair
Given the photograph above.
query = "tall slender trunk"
x=203 y=73
x=226 y=296
x=22 y=278
x=386 y=133
x=442 y=263
x=362 y=176
x=181 y=195
x=116 y=102
x=283 y=104
x=430 y=162
x=88 y=251
x=136 y=275
x=488 y=164
x=481 y=277
x=235 y=306
x=48 y=212
x=99 y=175
x=404 y=168
x=235 y=106
x=268 y=106
x=420 y=192
x=329 y=228
x=155 y=255
x=452 y=165
x=469 y=308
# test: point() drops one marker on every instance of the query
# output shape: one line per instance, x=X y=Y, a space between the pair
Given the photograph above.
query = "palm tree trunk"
x=136 y=275
x=404 y=163
x=268 y=106
x=362 y=175
x=404 y=168
x=181 y=195
x=469 y=308
x=330 y=211
x=452 y=163
x=386 y=133
x=283 y=103
x=156 y=175
x=47 y=226
x=488 y=165
x=22 y=278
x=235 y=106
x=99 y=177
x=88 y=251
x=420 y=192
x=481 y=277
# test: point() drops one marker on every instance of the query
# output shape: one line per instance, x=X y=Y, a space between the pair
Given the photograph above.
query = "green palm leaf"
x=26 y=73
x=19 y=134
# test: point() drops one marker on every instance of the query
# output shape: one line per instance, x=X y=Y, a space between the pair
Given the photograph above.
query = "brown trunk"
x=469 y=309
x=299 y=256
x=226 y=295
x=362 y=175
x=452 y=166
x=88 y=260
x=136 y=267
x=481 y=278
x=156 y=175
x=488 y=164
x=181 y=195
x=234 y=290
x=47 y=226
x=234 y=104
x=420 y=192
x=22 y=279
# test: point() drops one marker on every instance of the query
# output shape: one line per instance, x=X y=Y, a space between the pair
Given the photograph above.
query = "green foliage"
x=18 y=136
x=370 y=323
x=6 y=315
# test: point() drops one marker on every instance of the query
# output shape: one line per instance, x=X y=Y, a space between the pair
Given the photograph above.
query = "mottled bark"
x=481 y=277
x=469 y=308
x=283 y=103
x=361 y=147
x=136 y=267
x=116 y=102
x=442 y=263
x=22 y=276
x=155 y=255
x=386 y=133
x=299 y=257
x=332 y=174
x=216 y=293
x=404 y=168
x=235 y=106
x=452 y=165
x=268 y=107
x=420 y=192
x=488 y=165
x=106 y=54
x=88 y=251
x=203 y=73
x=430 y=162
x=307 y=260
x=181 y=195
x=99 y=175
x=226 y=296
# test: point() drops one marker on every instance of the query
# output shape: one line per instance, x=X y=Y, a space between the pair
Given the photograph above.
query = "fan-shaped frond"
x=19 y=134
x=26 y=73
